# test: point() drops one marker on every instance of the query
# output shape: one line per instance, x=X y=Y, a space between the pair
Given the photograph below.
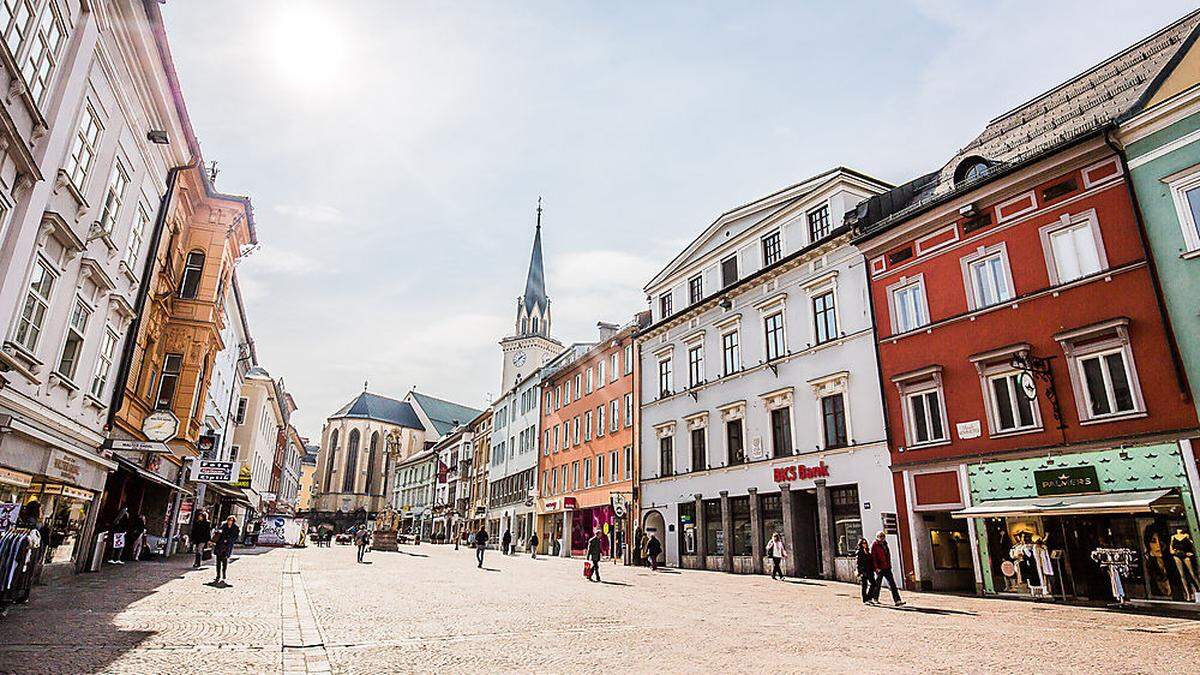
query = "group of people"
x=221 y=540
x=875 y=566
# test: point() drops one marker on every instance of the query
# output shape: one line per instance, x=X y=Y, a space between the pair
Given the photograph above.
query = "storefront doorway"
x=655 y=524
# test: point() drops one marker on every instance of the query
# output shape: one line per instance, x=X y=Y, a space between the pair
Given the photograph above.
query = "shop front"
x=140 y=505
x=1103 y=526
x=821 y=505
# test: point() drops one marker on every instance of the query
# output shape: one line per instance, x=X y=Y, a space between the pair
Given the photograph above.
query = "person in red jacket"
x=882 y=558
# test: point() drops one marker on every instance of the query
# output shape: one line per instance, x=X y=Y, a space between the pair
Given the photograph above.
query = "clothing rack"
x=19 y=551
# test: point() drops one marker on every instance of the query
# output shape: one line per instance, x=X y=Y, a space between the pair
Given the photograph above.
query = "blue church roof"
x=374 y=407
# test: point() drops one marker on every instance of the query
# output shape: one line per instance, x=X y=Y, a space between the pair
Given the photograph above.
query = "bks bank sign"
x=791 y=472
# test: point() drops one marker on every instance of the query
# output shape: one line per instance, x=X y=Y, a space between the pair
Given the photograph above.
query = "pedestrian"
x=135 y=535
x=881 y=557
x=776 y=551
x=639 y=546
x=201 y=535
x=593 y=556
x=533 y=544
x=481 y=538
x=226 y=536
x=506 y=542
x=866 y=569
x=653 y=550
x=363 y=538
x=120 y=525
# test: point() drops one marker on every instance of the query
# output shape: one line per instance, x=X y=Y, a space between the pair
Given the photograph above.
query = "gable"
x=1180 y=76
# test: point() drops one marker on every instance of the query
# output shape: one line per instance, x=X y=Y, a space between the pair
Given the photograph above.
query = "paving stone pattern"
x=428 y=608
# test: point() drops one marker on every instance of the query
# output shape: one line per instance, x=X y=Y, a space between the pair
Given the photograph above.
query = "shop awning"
x=1141 y=501
x=149 y=475
x=235 y=495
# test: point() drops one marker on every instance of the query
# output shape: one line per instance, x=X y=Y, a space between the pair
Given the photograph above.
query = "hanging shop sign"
x=783 y=474
x=160 y=425
x=130 y=445
x=212 y=471
x=1066 y=481
x=244 y=477
x=14 y=478
x=620 y=504
x=206 y=444
x=185 y=510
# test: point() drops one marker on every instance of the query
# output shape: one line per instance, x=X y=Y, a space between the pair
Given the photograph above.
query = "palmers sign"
x=784 y=474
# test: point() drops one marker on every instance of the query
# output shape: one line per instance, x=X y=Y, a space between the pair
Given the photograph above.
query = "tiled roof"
x=444 y=414
x=374 y=407
x=1078 y=107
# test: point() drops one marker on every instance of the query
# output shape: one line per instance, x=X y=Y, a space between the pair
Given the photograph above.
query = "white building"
x=89 y=128
x=223 y=402
x=256 y=435
x=760 y=399
x=451 y=494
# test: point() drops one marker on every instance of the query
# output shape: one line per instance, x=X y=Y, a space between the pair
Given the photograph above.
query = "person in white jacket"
x=776 y=551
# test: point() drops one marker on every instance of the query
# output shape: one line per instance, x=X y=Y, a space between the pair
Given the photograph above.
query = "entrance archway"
x=655 y=524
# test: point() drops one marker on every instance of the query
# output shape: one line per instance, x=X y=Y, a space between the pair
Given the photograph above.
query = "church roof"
x=535 y=282
x=381 y=408
x=444 y=414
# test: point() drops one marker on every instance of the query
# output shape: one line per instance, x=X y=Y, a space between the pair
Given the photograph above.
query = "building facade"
x=308 y=478
x=1039 y=417
x=480 y=447
x=760 y=402
x=416 y=483
x=586 y=462
x=452 y=493
x=260 y=421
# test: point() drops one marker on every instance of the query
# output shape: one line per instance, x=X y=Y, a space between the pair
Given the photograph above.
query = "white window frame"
x=696 y=374
x=782 y=347
x=665 y=304
x=1098 y=340
x=1070 y=221
x=40 y=60
x=84 y=147
x=735 y=367
x=114 y=196
x=1180 y=184
x=601 y=376
x=137 y=234
x=778 y=235
x=973 y=292
x=698 y=286
x=614 y=367
x=922 y=383
x=922 y=310
x=737 y=271
x=104 y=361
x=44 y=301
x=666 y=377
x=614 y=416
x=80 y=306
x=629 y=409
x=600 y=423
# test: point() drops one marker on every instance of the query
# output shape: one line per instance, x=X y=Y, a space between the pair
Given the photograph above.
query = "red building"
x=1038 y=415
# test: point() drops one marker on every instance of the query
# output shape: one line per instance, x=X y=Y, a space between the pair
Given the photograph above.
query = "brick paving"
x=429 y=608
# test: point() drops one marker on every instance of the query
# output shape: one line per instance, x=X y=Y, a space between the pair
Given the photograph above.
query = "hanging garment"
x=1118 y=588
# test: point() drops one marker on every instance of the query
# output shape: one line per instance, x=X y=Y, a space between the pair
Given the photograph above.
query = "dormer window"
x=971 y=168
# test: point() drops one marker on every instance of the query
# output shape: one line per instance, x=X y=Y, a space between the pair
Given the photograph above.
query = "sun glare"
x=306 y=46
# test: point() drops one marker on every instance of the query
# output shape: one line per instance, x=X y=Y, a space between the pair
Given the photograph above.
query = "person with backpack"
x=776 y=551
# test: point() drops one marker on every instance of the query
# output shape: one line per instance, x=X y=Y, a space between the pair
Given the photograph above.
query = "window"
x=554 y=480
x=699 y=451
x=612 y=466
x=114 y=194
x=731 y=360
x=1187 y=206
x=600 y=374
x=729 y=271
x=819 y=225
x=628 y=359
x=615 y=367
x=600 y=421
x=925 y=417
x=664 y=304
x=833 y=419
x=83 y=147
x=15 y=17
x=137 y=233
x=733 y=442
x=771 y=250
x=587 y=472
x=587 y=426
x=824 y=317
x=546 y=445
x=628 y=410
x=599 y=469
x=43 y=53
x=695 y=365
x=578 y=386
x=1073 y=248
x=665 y=382
x=73 y=341
x=666 y=456
x=567 y=398
x=695 y=289
x=909 y=311
x=614 y=416
x=628 y=462
x=847 y=519
x=37 y=301
x=1106 y=383
x=103 y=363
x=590 y=379
x=1011 y=409
x=776 y=345
x=168 y=381
x=577 y=430
x=781 y=432
x=193 y=268
x=575 y=475
x=987 y=278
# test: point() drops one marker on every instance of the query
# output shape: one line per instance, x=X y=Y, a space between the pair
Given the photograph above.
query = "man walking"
x=653 y=550
x=481 y=538
x=506 y=542
x=533 y=544
x=363 y=538
x=201 y=535
x=593 y=556
x=882 y=557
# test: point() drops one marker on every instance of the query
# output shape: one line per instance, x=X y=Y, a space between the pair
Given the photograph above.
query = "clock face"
x=519 y=359
x=160 y=426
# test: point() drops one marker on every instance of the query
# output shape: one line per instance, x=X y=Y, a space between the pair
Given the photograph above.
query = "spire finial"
x=539 y=212
x=364 y=385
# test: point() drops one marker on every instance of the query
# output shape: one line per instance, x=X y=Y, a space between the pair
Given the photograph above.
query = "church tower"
x=530 y=346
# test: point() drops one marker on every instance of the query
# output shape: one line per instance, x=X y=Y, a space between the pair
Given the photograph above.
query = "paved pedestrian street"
x=428 y=608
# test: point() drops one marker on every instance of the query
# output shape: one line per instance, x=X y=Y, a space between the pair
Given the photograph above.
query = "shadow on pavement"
x=929 y=610
x=615 y=583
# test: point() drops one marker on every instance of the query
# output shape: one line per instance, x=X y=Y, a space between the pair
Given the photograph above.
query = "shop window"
x=743 y=540
x=734 y=446
x=714 y=532
x=193 y=268
x=987 y=277
x=699 y=451
x=72 y=348
x=951 y=550
x=781 y=432
x=847 y=520
x=833 y=418
x=772 y=516
x=1186 y=191
x=1073 y=247
x=687 y=528
x=168 y=381
x=666 y=456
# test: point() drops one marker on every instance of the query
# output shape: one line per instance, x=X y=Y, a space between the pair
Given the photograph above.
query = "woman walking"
x=866 y=570
x=227 y=535
x=776 y=551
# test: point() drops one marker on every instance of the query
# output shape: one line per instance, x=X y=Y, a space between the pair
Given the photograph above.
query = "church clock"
x=518 y=359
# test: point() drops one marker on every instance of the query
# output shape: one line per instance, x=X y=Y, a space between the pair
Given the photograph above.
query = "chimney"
x=607 y=330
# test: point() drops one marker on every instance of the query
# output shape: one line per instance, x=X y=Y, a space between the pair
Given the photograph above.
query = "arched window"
x=351 y=462
x=193 y=269
x=524 y=325
x=332 y=461
x=372 y=452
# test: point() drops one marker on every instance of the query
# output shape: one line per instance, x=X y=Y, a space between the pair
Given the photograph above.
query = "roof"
x=535 y=281
x=1080 y=107
x=445 y=415
x=381 y=408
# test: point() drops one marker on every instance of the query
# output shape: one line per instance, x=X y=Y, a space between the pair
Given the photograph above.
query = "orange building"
x=586 y=465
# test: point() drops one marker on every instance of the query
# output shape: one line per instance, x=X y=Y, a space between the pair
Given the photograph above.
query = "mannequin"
x=1045 y=567
x=1023 y=555
x=1183 y=551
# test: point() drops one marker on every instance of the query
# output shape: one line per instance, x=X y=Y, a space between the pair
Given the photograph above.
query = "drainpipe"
x=1172 y=345
x=160 y=221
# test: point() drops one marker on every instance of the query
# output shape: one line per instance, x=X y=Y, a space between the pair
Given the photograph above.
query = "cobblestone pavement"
x=429 y=608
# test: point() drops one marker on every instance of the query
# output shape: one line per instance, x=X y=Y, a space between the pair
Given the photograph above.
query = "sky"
x=395 y=151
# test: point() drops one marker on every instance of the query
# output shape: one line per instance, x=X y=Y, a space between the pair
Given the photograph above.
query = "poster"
x=8 y=515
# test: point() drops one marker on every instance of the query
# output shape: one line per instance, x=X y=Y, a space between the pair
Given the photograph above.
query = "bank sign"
x=1066 y=481
x=791 y=472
